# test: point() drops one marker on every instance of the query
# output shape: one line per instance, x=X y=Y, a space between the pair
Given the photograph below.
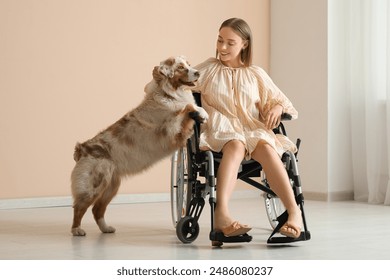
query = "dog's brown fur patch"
x=101 y=149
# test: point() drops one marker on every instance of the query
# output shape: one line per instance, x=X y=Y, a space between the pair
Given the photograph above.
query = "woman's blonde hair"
x=243 y=30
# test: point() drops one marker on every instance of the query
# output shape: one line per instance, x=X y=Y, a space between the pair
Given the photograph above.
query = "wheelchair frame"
x=188 y=193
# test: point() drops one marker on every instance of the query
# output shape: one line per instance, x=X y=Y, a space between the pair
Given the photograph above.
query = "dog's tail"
x=78 y=152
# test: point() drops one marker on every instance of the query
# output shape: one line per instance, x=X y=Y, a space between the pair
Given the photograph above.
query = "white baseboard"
x=66 y=201
x=332 y=196
x=35 y=202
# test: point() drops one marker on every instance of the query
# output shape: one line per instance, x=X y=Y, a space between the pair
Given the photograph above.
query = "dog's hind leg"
x=102 y=202
x=88 y=182
x=80 y=206
x=82 y=198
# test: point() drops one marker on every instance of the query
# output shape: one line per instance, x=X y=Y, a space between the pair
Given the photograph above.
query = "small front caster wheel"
x=187 y=230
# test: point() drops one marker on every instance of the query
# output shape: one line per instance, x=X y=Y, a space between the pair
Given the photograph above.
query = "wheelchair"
x=193 y=179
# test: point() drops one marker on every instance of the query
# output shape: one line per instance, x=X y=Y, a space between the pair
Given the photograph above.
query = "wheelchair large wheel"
x=274 y=208
x=181 y=189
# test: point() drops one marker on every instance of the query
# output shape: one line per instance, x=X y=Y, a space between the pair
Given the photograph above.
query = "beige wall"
x=70 y=68
x=309 y=72
x=299 y=66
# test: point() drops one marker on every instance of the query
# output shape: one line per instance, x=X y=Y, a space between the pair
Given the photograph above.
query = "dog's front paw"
x=200 y=115
x=78 y=232
x=203 y=116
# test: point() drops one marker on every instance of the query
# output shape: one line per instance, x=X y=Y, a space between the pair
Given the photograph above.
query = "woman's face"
x=229 y=46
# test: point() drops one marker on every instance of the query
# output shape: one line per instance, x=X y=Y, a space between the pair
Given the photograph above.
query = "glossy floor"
x=340 y=231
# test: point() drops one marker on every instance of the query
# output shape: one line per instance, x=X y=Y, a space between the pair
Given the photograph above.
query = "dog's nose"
x=196 y=74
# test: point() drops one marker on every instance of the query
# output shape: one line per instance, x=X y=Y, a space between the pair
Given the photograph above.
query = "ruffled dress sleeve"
x=270 y=95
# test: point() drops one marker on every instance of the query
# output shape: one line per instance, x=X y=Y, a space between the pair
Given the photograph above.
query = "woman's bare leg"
x=280 y=184
x=233 y=154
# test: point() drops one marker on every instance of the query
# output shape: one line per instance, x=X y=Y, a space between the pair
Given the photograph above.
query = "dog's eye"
x=181 y=67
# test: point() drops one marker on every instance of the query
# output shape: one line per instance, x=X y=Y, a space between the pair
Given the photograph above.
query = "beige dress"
x=237 y=100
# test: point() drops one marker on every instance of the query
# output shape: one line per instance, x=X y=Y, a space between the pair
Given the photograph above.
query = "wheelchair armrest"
x=286 y=117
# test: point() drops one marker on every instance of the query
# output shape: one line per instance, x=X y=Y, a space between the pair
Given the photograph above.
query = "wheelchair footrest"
x=285 y=239
x=219 y=236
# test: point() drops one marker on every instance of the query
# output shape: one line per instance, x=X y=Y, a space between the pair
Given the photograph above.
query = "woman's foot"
x=229 y=227
x=292 y=228
x=235 y=229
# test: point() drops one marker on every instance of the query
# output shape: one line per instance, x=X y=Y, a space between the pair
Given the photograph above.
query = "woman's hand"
x=273 y=117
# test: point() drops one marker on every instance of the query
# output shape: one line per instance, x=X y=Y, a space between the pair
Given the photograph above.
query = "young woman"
x=244 y=105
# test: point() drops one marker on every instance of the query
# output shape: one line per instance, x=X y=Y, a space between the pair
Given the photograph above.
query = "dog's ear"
x=157 y=76
x=166 y=67
x=166 y=70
